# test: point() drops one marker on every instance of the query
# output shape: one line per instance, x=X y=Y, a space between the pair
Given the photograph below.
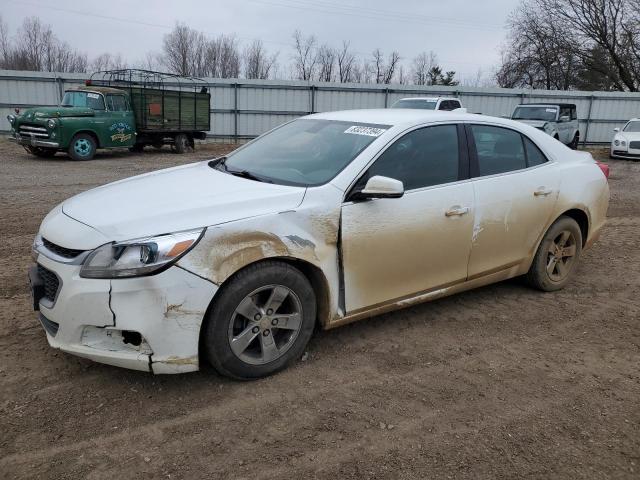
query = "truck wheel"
x=42 y=152
x=137 y=148
x=574 y=143
x=182 y=143
x=261 y=321
x=82 y=147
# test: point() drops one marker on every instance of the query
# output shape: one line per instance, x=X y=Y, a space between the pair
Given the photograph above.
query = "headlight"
x=623 y=143
x=616 y=142
x=142 y=256
x=52 y=123
x=12 y=119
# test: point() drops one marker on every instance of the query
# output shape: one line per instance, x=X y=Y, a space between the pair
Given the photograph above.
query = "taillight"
x=605 y=169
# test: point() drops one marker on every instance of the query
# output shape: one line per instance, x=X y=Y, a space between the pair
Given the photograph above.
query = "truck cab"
x=559 y=120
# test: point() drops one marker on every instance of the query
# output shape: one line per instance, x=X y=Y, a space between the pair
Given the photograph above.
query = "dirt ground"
x=501 y=382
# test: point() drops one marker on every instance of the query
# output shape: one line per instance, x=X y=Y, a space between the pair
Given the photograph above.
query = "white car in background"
x=558 y=120
x=325 y=220
x=626 y=141
x=429 y=103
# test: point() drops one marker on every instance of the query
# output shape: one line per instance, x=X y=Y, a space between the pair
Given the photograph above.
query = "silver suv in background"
x=559 y=120
x=429 y=103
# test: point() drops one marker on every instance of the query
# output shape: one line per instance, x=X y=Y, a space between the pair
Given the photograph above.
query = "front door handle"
x=542 y=192
x=456 y=211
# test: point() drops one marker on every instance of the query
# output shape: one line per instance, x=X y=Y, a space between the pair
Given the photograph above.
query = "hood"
x=41 y=113
x=175 y=199
x=628 y=136
x=533 y=123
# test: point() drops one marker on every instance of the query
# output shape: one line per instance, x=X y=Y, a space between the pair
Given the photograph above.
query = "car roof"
x=96 y=89
x=428 y=99
x=403 y=116
x=562 y=105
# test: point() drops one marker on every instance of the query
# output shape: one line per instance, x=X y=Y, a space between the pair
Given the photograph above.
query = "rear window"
x=419 y=104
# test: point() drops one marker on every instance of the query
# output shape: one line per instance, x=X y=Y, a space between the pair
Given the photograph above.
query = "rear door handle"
x=456 y=211
x=542 y=192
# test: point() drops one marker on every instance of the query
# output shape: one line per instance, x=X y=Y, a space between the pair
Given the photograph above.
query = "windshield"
x=421 y=104
x=632 y=127
x=83 y=99
x=304 y=152
x=548 y=114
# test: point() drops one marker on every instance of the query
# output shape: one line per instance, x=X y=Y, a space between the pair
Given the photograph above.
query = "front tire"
x=557 y=256
x=42 y=152
x=261 y=321
x=82 y=147
x=574 y=143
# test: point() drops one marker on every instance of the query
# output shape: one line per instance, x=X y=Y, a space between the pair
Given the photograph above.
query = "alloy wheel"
x=265 y=324
x=561 y=256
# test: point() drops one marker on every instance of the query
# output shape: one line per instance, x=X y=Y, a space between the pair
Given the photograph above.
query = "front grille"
x=51 y=283
x=61 y=251
x=29 y=130
x=634 y=145
x=50 y=326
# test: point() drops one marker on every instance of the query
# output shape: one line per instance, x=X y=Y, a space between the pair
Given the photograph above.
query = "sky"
x=465 y=34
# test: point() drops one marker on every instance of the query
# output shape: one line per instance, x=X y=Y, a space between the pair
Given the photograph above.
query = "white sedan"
x=626 y=141
x=323 y=221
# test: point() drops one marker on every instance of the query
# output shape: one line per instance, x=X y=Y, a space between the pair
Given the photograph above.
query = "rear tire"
x=557 y=256
x=82 y=147
x=137 y=148
x=260 y=322
x=182 y=143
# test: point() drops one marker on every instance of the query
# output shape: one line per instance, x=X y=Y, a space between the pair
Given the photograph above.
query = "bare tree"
x=563 y=44
x=257 y=62
x=305 y=57
x=608 y=24
x=346 y=62
x=421 y=66
x=107 y=61
x=384 y=70
x=326 y=63
x=179 y=49
x=5 y=46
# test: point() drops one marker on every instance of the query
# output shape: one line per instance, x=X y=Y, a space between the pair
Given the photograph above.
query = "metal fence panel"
x=243 y=109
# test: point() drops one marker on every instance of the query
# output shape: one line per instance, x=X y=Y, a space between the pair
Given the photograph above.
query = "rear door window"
x=498 y=149
x=534 y=155
x=116 y=103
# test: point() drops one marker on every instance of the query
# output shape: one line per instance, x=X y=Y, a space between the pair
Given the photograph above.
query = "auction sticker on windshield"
x=368 y=131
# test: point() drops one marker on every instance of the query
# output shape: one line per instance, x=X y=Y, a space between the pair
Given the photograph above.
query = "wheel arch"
x=95 y=136
x=314 y=274
x=582 y=219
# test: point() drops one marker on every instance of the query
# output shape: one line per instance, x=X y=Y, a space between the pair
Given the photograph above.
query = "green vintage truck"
x=117 y=108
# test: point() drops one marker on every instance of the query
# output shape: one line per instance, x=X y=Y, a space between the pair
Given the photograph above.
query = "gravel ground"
x=500 y=382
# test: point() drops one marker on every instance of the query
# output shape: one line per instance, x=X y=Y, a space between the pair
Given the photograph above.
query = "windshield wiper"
x=219 y=164
x=246 y=174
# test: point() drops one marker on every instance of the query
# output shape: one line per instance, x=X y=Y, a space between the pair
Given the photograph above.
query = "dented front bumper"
x=147 y=323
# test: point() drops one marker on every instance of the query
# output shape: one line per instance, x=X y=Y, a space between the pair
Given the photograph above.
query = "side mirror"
x=564 y=118
x=381 y=187
x=617 y=129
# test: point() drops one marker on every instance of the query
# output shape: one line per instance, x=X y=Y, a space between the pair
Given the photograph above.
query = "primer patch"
x=368 y=131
